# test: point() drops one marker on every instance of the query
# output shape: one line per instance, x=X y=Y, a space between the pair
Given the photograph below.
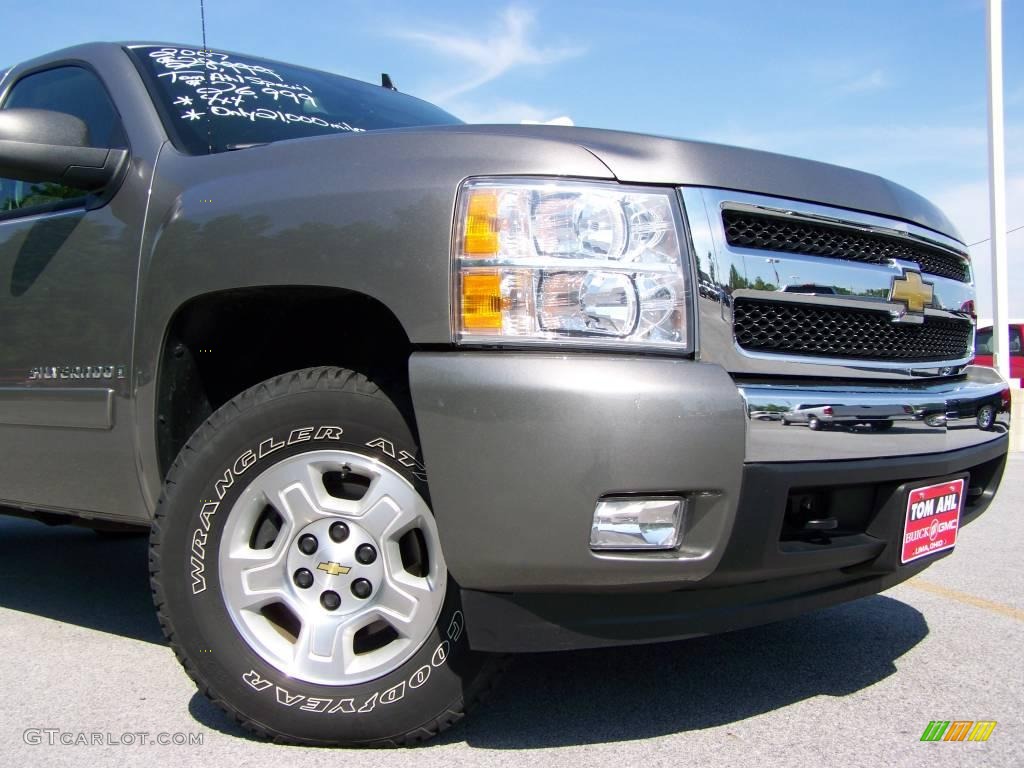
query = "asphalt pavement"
x=81 y=652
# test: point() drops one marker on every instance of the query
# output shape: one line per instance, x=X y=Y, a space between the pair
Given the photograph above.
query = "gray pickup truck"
x=397 y=396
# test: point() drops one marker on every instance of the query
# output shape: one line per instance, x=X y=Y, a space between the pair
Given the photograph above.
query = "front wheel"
x=298 y=571
x=986 y=417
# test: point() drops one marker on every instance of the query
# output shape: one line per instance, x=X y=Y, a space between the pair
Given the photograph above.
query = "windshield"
x=212 y=101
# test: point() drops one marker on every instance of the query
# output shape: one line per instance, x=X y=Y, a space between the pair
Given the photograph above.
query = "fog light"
x=637 y=523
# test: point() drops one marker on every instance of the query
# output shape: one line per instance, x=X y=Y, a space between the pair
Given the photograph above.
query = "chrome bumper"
x=917 y=417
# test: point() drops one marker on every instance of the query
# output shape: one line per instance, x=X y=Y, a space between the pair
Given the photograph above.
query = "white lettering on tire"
x=331 y=706
x=370 y=703
x=258 y=683
x=283 y=697
x=419 y=677
x=404 y=458
x=239 y=467
x=316 y=704
x=199 y=536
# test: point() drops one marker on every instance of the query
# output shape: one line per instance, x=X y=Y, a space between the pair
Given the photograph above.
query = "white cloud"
x=489 y=56
x=563 y=120
x=503 y=112
x=872 y=81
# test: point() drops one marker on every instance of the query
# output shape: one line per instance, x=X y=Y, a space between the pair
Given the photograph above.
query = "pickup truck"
x=876 y=417
x=398 y=396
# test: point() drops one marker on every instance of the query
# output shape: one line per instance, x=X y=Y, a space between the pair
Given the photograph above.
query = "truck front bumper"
x=519 y=447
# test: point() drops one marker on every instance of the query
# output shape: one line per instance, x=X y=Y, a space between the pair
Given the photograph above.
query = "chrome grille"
x=775 y=301
x=778 y=233
x=844 y=333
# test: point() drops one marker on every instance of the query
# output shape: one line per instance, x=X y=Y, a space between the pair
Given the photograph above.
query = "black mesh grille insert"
x=801 y=329
x=774 y=233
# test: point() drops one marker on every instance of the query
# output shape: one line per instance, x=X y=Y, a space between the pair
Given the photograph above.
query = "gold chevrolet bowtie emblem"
x=912 y=291
x=333 y=569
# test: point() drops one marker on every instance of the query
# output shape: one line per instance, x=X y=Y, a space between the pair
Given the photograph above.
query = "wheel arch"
x=217 y=344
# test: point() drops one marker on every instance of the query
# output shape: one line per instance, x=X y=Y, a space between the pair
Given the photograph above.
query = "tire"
x=290 y=458
x=986 y=417
x=814 y=423
x=881 y=426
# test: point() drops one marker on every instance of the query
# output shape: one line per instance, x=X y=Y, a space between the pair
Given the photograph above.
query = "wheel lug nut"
x=366 y=554
x=338 y=531
x=303 y=578
x=361 y=588
x=308 y=544
x=330 y=600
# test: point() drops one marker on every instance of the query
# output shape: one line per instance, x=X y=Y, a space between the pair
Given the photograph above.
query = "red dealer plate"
x=933 y=518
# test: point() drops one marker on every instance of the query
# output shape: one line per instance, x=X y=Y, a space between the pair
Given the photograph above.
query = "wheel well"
x=220 y=344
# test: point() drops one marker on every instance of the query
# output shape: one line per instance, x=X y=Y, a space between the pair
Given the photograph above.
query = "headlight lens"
x=568 y=261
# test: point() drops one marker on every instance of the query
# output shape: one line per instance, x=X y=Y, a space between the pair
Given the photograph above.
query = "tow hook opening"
x=807 y=518
x=823 y=514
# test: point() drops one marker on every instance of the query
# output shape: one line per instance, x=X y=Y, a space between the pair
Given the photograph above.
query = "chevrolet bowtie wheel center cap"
x=332 y=589
x=334 y=566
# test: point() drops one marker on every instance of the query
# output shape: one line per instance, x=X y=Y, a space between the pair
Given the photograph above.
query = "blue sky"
x=895 y=87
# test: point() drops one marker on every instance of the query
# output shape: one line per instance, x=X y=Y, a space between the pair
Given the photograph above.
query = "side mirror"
x=40 y=145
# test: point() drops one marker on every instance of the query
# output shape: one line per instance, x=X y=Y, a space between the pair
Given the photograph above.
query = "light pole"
x=997 y=191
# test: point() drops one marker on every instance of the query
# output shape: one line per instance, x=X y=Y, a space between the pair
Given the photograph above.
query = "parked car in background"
x=878 y=417
x=983 y=349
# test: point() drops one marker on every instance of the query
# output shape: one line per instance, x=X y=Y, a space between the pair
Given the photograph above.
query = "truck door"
x=68 y=266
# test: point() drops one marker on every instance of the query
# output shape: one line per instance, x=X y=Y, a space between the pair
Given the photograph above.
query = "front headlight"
x=569 y=261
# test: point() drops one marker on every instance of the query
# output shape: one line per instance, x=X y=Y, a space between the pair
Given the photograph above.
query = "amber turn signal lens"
x=481 y=300
x=481 y=235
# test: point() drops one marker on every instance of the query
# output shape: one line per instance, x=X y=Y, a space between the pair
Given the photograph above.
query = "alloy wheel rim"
x=331 y=569
x=986 y=416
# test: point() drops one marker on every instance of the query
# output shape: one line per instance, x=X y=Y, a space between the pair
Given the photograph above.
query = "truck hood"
x=643 y=159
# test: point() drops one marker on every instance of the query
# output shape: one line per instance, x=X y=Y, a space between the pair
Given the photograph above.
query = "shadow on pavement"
x=71 y=574
x=622 y=694
x=546 y=700
x=206 y=713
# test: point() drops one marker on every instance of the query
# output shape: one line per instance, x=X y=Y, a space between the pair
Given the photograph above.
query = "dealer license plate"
x=933 y=519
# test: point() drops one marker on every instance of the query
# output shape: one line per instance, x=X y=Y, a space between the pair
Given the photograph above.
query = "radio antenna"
x=206 y=53
x=202 y=20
